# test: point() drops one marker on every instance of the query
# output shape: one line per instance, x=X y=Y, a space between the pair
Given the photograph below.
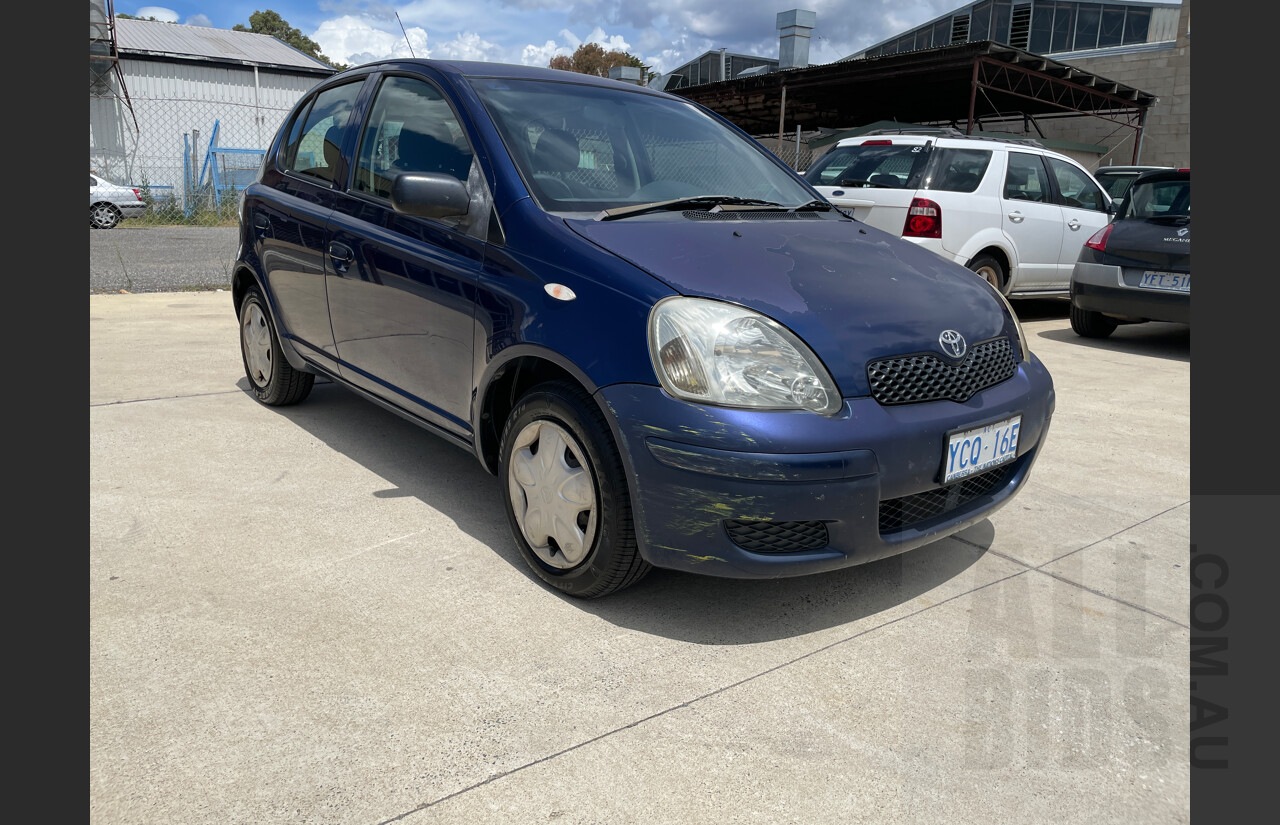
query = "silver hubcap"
x=552 y=494
x=990 y=274
x=103 y=216
x=255 y=340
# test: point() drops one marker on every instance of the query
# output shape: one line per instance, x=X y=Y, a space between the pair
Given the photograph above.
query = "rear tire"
x=1090 y=324
x=272 y=379
x=992 y=271
x=566 y=493
x=103 y=216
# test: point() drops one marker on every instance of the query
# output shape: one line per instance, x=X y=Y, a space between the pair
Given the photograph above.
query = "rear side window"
x=959 y=170
x=315 y=139
x=1026 y=179
x=874 y=164
x=1076 y=187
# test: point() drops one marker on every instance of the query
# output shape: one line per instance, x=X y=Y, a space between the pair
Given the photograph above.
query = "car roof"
x=1164 y=173
x=508 y=71
x=1127 y=170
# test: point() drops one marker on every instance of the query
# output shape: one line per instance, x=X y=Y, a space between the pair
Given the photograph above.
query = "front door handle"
x=261 y=223
x=342 y=255
x=1016 y=217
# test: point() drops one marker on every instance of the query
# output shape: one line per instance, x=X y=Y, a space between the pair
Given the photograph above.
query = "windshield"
x=581 y=148
x=1159 y=199
x=879 y=163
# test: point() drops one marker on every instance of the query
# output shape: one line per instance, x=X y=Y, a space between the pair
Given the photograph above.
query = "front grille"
x=913 y=379
x=777 y=536
x=897 y=513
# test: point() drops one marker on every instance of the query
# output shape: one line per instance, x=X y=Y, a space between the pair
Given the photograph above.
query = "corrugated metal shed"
x=179 y=42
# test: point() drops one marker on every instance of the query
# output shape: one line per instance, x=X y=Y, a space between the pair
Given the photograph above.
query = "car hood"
x=850 y=291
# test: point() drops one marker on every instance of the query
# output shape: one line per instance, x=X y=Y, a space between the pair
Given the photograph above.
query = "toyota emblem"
x=953 y=343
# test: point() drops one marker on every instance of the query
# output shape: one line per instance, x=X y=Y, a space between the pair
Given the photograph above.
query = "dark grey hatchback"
x=1137 y=268
x=667 y=346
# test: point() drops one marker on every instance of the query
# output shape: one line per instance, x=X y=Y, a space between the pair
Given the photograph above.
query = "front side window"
x=1026 y=179
x=582 y=148
x=874 y=163
x=411 y=129
x=315 y=139
x=1077 y=187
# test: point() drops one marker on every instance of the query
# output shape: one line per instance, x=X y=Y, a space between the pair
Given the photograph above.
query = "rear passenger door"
x=1084 y=212
x=402 y=289
x=289 y=227
x=1032 y=222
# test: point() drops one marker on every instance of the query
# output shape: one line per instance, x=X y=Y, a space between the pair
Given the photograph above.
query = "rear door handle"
x=342 y=255
x=1074 y=224
x=1016 y=217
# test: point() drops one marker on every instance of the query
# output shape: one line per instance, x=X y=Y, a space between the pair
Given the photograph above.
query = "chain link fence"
x=188 y=159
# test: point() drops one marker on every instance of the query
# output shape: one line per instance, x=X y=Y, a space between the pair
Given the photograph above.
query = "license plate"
x=981 y=448
x=1166 y=281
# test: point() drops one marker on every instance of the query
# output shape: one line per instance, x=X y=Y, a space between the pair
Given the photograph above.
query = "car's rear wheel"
x=1090 y=324
x=272 y=379
x=566 y=494
x=991 y=270
x=103 y=216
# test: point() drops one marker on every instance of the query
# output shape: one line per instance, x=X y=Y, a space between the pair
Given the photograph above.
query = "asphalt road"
x=161 y=259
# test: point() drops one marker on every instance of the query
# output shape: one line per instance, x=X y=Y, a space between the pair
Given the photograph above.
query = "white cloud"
x=533 y=55
x=469 y=46
x=198 y=20
x=158 y=12
x=354 y=40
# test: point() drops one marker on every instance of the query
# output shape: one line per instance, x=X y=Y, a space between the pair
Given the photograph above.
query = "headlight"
x=717 y=353
x=1017 y=326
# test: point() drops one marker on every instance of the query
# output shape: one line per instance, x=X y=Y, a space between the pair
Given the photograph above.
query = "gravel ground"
x=161 y=259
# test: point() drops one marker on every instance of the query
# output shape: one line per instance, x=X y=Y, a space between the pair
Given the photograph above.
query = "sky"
x=664 y=34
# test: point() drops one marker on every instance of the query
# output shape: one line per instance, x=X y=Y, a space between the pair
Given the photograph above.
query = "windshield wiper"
x=679 y=203
x=812 y=206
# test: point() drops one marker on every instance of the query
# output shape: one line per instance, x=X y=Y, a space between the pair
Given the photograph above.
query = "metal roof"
x=175 y=41
x=961 y=85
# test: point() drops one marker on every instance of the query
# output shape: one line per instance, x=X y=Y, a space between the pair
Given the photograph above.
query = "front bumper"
x=755 y=494
x=1114 y=291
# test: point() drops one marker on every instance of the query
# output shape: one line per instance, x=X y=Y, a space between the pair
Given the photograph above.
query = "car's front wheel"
x=1090 y=324
x=272 y=379
x=566 y=494
x=103 y=216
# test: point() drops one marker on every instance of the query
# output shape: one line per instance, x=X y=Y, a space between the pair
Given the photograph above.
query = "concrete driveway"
x=316 y=614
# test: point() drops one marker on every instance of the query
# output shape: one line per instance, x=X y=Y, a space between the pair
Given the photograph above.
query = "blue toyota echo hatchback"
x=667 y=346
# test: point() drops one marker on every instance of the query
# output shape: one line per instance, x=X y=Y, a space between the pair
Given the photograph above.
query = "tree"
x=270 y=22
x=591 y=58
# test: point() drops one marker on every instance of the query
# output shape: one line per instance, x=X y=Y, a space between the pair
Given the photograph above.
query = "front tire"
x=272 y=379
x=103 y=216
x=566 y=494
x=1090 y=324
x=992 y=271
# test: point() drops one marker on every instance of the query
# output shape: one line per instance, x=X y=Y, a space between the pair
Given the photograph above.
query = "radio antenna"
x=406 y=36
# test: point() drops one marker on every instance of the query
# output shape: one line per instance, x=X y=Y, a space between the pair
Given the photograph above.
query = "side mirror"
x=429 y=195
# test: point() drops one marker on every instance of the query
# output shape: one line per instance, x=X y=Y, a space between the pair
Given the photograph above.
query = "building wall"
x=1165 y=73
x=177 y=107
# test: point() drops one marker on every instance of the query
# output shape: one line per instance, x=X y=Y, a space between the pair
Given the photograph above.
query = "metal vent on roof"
x=1020 y=28
x=960 y=28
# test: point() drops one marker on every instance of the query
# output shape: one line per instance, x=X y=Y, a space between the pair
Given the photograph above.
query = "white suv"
x=1010 y=210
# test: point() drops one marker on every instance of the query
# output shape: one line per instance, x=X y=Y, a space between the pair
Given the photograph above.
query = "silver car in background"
x=110 y=203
